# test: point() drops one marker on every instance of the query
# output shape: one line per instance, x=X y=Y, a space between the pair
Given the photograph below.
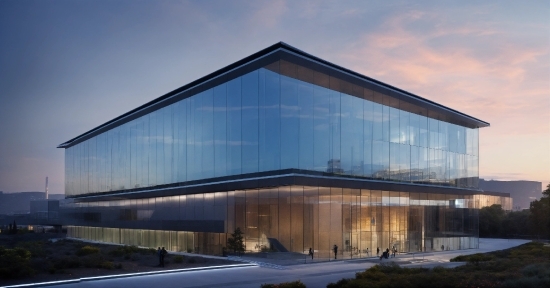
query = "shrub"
x=294 y=284
x=14 y=263
x=36 y=248
x=87 y=250
x=474 y=258
x=66 y=263
x=92 y=261
x=537 y=270
x=192 y=260
x=128 y=250
x=106 y=265
x=178 y=259
x=340 y=283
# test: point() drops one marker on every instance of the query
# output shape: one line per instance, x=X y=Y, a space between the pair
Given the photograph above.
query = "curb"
x=72 y=281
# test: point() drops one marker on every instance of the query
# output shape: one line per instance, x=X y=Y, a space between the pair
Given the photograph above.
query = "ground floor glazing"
x=289 y=218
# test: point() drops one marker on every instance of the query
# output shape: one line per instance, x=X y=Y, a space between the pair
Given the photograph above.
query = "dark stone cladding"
x=278 y=178
x=342 y=80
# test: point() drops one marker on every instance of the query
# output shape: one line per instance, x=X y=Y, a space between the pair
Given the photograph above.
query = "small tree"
x=235 y=242
x=540 y=214
x=490 y=221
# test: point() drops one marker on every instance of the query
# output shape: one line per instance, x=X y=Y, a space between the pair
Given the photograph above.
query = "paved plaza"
x=313 y=274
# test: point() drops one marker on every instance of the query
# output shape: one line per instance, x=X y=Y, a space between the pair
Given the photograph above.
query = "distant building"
x=522 y=192
x=45 y=209
x=18 y=203
x=56 y=196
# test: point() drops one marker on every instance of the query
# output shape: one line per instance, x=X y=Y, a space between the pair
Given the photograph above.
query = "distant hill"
x=18 y=203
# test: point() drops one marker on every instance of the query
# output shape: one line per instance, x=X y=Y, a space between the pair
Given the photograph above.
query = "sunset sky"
x=69 y=66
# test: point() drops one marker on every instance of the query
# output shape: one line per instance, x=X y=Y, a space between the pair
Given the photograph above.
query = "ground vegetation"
x=37 y=257
x=527 y=265
x=235 y=243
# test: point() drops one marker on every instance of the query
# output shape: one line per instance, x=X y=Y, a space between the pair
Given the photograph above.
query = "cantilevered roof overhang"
x=339 y=78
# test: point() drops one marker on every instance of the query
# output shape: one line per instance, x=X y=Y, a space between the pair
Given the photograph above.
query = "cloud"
x=485 y=69
x=269 y=14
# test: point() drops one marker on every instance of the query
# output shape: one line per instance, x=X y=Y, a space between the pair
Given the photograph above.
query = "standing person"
x=311 y=253
x=377 y=251
x=387 y=253
x=367 y=252
x=159 y=252
x=335 y=249
x=163 y=253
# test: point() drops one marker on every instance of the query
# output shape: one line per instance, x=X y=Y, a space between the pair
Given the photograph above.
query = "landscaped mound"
x=527 y=265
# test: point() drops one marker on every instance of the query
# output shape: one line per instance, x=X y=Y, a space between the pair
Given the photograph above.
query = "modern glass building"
x=294 y=150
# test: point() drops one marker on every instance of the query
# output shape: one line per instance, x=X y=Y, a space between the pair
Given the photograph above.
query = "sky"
x=69 y=66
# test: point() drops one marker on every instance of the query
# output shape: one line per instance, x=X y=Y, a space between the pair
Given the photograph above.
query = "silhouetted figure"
x=311 y=253
x=377 y=251
x=385 y=254
x=335 y=250
x=163 y=253
x=159 y=252
x=367 y=252
x=442 y=247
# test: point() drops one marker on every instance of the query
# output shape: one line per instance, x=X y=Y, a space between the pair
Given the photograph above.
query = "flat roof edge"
x=277 y=46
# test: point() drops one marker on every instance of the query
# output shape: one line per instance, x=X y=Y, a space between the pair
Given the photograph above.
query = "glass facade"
x=270 y=115
x=294 y=217
x=266 y=121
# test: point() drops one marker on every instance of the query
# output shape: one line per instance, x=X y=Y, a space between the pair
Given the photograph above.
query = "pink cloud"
x=455 y=75
x=474 y=68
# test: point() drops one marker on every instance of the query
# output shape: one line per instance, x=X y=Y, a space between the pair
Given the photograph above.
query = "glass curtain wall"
x=265 y=121
x=290 y=218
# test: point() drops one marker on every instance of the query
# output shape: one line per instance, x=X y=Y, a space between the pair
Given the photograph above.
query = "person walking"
x=335 y=250
x=159 y=252
x=367 y=252
x=377 y=251
x=163 y=253
x=311 y=253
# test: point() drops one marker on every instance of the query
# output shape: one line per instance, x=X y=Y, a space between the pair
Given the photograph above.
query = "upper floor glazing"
x=264 y=121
